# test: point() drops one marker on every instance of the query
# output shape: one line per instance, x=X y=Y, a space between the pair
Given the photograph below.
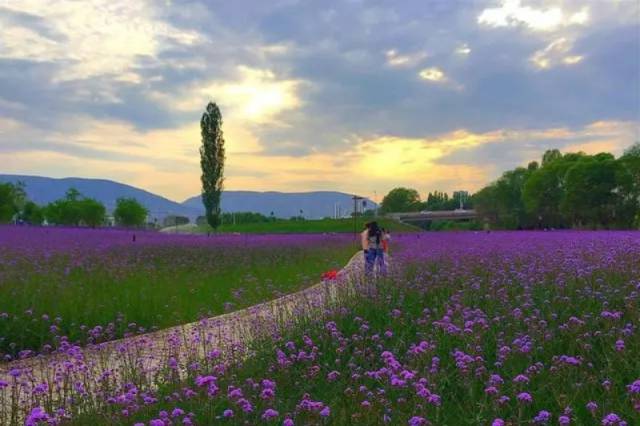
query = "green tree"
x=545 y=189
x=92 y=212
x=502 y=203
x=32 y=213
x=590 y=196
x=8 y=207
x=401 y=200
x=129 y=212
x=65 y=211
x=550 y=156
x=629 y=186
x=75 y=210
x=212 y=156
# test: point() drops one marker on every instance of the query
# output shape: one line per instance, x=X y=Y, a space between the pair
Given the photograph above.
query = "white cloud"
x=555 y=53
x=463 y=49
x=396 y=59
x=432 y=74
x=252 y=96
x=512 y=13
x=90 y=38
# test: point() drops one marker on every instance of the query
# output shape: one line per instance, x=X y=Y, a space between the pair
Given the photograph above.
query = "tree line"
x=74 y=209
x=402 y=200
x=571 y=190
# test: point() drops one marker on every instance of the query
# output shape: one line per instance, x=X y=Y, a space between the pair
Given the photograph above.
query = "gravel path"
x=79 y=377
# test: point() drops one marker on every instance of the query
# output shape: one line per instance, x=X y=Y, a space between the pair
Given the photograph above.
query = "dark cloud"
x=338 y=49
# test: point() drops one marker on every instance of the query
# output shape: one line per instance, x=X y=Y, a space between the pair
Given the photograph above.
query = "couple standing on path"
x=375 y=242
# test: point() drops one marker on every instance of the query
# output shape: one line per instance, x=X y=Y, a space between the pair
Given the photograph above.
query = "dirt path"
x=80 y=377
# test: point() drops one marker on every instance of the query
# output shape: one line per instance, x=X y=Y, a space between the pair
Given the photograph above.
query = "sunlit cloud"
x=89 y=38
x=408 y=94
x=463 y=49
x=156 y=160
x=432 y=74
x=254 y=95
x=258 y=95
x=396 y=59
x=512 y=13
x=555 y=53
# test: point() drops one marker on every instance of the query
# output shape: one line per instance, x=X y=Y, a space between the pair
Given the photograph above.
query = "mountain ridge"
x=314 y=204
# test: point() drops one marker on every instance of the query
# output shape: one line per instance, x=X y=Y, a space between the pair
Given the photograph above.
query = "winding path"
x=78 y=377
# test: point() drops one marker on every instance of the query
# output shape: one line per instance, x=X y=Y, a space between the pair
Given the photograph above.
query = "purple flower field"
x=506 y=328
x=89 y=286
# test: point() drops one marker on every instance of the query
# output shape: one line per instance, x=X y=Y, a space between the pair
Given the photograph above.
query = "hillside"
x=314 y=205
x=43 y=190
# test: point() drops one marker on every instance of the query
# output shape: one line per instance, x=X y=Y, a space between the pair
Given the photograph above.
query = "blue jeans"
x=371 y=257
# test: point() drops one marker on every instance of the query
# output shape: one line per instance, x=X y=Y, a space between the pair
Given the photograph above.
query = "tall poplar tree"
x=212 y=162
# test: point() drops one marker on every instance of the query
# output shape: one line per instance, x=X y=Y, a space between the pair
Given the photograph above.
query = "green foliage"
x=8 y=206
x=75 y=210
x=502 y=202
x=438 y=201
x=245 y=217
x=93 y=212
x=157 y=286
x=450 y=225
x=130 y=213
x=570 y=190
x=32 y=213
x=401 y=200
x=286 y=226
x=590 y=196
x=212 y=156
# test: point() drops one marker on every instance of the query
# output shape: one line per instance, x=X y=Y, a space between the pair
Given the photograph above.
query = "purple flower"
x=287 y=422
x=332 y=376
x=564 y=420
x=269 y=414
x=35 y=416
x=227 y=413
x=177 y=412
x=325 y=412
x=542 y=417
x=204 y=380
x=611 y=419
x=633 y=387
x=525 y=397
x=417 y=421
x=592 y=406
x=156 y=422
x=497 y=422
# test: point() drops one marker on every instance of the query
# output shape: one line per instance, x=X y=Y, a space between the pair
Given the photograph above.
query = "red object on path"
x=330 y=275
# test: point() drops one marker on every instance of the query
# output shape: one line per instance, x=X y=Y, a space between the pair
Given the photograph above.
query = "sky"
x=356 y=96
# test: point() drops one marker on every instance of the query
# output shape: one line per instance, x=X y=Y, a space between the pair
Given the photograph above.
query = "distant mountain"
x=43 y=190
x=314 y=205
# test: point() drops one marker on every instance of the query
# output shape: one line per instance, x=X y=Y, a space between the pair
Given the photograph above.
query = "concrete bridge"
x=430 y=216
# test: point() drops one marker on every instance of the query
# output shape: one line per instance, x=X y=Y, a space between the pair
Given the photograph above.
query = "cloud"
x=558 y=52
x=93 y=37
x=432 y=74
x=311 y=93
x=395 y=59
x=513 y=13
x=510 y=148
